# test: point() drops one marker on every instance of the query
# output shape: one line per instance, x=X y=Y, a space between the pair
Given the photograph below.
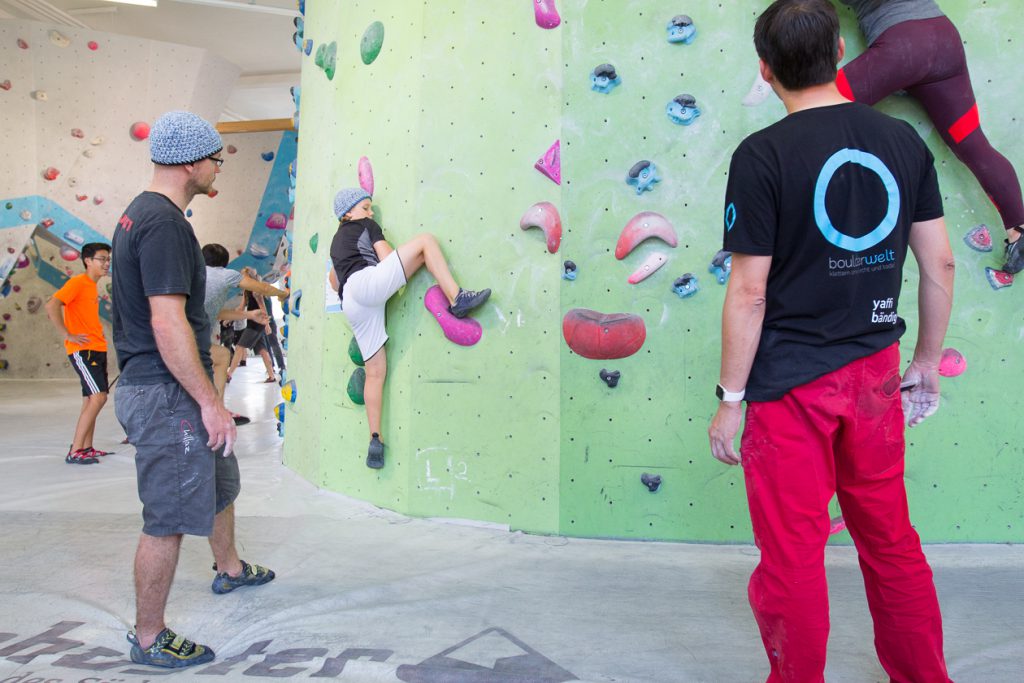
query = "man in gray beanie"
x=166 y=401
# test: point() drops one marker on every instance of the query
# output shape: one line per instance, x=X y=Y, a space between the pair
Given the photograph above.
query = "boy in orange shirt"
x=75 y=312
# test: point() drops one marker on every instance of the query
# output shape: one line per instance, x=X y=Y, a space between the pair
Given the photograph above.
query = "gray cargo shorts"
x=182 y=482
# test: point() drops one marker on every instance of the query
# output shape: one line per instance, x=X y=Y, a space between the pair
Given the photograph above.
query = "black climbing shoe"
x=1014 y=254
x=466 y=300
x=375 y=454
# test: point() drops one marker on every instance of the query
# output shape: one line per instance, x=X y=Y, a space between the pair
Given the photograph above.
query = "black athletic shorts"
x=91 y=367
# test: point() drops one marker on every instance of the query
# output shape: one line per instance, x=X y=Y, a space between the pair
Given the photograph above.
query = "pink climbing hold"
x=68 y=254
x=545 y=216
x=952 y=363
x=17 y=288
x=998 y=278
x=81 y=197
x=642 y=226
x=277 y=221
x=7 y=316
x=22 y=44
x=6 y=85
x=23 y=261
x=978 y=238
x=366 y=175
x=462 y=331
x=77 y=133
x=97 y=200
x=545 y=13
x=551 y=163
x=51 y=173
x=647 y=268
x=140 y=130
x=232 y=149
x=93 y=45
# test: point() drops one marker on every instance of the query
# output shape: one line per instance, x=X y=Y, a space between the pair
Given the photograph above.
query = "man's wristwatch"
x=724 y=394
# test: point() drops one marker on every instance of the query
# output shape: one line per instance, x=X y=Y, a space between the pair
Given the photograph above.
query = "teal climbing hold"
x=354 y=353
x=296 y=301
x=373 y=39
x=355 y=386
x=314 y=241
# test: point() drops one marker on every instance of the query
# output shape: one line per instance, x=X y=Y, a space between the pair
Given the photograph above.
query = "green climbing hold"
x=321 y=51
x=355 y=386
x=330 y=60
x=354 y=353
x=8 y=205
x=372 y=41
x=314 y=241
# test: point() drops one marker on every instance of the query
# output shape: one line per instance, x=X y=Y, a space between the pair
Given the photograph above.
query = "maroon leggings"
x=926 y=58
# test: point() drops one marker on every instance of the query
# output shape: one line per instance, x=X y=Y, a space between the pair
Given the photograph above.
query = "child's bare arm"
x=382 y=248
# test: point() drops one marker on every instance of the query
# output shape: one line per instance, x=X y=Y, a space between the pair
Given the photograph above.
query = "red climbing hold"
x=6 y=85
x=93 y=45
x=77 y=133
x=81 y=197
x=213 y=193
x=603 y=336
x=232 y=149
x=51 y=173
x=140 y=130
x=22 y=44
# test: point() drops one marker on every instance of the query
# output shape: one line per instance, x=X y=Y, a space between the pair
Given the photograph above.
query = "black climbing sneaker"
x=80 y=457
x=1014 y=254
x=375 y=454
x=240 y=420
x=252 y=575
x=170 y=651
x=466 y=300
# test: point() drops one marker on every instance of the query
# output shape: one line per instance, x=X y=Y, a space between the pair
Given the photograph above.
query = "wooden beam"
x=259 y=126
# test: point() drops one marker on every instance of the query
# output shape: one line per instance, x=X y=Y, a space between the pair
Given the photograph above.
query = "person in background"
x=252 y=337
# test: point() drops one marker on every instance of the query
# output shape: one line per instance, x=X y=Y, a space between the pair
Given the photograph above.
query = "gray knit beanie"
x=347 y=198
x=181 y=137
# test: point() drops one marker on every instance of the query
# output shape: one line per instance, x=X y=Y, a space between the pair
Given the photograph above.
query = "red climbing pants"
x=842 y=434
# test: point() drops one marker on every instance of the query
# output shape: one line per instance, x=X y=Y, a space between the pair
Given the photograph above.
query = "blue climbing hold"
x=569 y=271
x=681 y=29
x=603 y=78
x=643 y=175
x=267 y=156
x=683 y=109
x=721 y=266
x=296 y=301
x=686 y=285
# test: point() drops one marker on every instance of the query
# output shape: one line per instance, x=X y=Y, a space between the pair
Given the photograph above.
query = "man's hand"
x=258 y=316
x=920 y=392
x=220 y=426
x=266 y=328
x=285 y=293
x=722 y=432
x=79 y=339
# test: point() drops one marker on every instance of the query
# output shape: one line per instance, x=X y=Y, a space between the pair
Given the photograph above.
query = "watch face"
x=719 y=391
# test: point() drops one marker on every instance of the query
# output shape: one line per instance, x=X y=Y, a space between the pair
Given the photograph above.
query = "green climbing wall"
x=518 y=430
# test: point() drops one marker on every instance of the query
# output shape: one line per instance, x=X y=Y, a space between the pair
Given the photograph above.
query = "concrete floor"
x=364 y=594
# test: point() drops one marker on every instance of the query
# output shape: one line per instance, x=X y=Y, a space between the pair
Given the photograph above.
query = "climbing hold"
x=546 y=14
x=277 y=221
x=9 y=206
x=289 y=391
x=17 y=288
x=51 y=173
x=58 y=38
x=356 y=384
x=569 y=271
x=25 y=215
x=642 y=226
x=603 y=336
x=139 y=130
x=97 y=141
x=46 y=222
x=231 y=149
x=461 y=331
x=34 y=303
x=72 y=181
x=314 y=242
x=611 y=378
x=330 y=58
x=759 y=92
x=10 y=250
x=39 y=95
x=643 y=175
x=307 y=46
x=81 y=197
x=88 y=153
x=551 y=163
x=300 y=30
x=279 y=412
x=366 y=175
x=721 y=266
x=603 y=78
x=836 y=524
x=683 y=109
x=978 y=238
x=952 y=363
x=296 y=302
x=354 y=353
x=681 y=29
x=686 y=285
x=74 y=237
x=284 y=330
x=68 y=254
x=267 y=156
x=188 y=213
x=97 y=199
x=6 y=316
x=93 y=45
x=24 y=261
x=651 y=481
x=998 y=278
x=258 y=251
x=545 y=216
x=373 y=39
x=22 y=44
x=6 y=84
x=213 y=193
x=652 y=263
x=77 y=133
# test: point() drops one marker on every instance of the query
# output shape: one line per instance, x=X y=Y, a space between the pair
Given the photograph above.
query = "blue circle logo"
x=730 y=216
x=870 y=162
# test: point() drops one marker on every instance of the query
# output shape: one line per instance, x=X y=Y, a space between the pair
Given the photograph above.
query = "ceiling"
x=255 y=35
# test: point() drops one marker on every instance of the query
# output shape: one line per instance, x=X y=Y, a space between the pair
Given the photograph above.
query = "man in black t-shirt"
x=821 y=208
x=166 y=400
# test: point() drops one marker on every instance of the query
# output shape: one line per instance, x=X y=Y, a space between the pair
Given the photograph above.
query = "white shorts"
x=364 y=297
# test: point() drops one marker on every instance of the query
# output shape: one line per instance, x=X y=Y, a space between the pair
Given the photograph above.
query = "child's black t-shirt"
x=352 y=248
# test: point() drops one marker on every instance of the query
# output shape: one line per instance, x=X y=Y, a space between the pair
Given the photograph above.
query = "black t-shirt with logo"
x=352 y=248
x=154 y=252
x=830 y=194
